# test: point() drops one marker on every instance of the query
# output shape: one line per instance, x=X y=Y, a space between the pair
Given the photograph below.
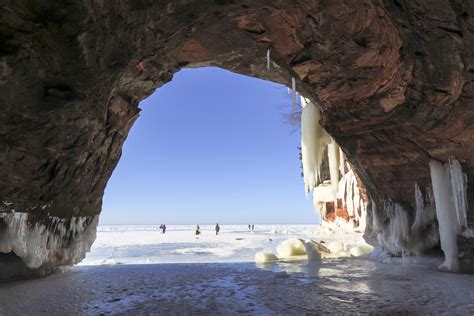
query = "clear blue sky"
x=210 y=146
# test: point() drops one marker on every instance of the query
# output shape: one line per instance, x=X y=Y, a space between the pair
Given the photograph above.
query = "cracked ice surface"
x=334 y=286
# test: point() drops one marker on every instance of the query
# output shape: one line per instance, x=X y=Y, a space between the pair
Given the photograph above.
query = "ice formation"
x=459 y=188
x=293 y=95
x=424 y=230
x=312 y=250
x=358 y=251
x=313 y=144
x=291 y=247
x=449 y=188
x=63 y=241
x=333 y=158
x=265 y=257
x=268 y=59
x=336 y=246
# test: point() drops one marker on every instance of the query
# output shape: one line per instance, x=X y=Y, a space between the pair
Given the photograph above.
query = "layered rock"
x=394 y=81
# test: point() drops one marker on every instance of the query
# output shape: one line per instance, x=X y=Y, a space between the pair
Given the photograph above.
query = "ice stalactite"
x=60 y=242
x=449 y=188
x=313 y=144
x=333 y=158
x=424 y=230
x=268 y=59
x=293 y=95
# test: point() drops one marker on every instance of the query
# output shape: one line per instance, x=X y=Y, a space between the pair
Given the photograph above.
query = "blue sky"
x=210 y=146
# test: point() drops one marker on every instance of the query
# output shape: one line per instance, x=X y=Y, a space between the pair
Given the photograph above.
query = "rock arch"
x=394 y=80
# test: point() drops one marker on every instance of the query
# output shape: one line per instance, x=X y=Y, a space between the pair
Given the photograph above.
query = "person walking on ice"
x=217 y=229
x=198 y=231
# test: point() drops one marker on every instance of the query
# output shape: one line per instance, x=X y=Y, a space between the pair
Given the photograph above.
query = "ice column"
x=333 y=157
x=448 y=225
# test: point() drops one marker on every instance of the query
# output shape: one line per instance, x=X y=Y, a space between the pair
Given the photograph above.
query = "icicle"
x=459 y=188
x=268 y=59
x=313 y=143
x=293 y=90
x=333 y=158
x=440 y=178
x=341 y=162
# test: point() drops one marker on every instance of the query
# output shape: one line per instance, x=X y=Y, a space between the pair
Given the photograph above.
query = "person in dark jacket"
x=217 y=229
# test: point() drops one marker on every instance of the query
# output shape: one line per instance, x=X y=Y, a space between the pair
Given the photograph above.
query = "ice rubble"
x=60 y=242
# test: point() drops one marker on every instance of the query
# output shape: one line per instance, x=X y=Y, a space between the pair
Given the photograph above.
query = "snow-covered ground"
x=235 y=243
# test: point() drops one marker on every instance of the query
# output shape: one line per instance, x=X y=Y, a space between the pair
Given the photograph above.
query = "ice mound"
x=358 y=251
x=291 y=247
x=265 y=257
x=336 y=246
x=313 y=251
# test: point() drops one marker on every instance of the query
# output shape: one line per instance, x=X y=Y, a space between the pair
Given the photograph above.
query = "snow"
x=235 y=243
x=63 y=241
x=313 y=144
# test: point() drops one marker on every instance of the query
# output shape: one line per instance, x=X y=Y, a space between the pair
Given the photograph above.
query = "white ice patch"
x=63 y=242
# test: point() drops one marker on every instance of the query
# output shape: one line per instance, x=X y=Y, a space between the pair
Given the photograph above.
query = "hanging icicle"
x=293 y=99
x=333 y=158
x=314 y=140
x=268 y=59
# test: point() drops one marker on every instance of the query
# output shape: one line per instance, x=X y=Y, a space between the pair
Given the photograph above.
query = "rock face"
x=394 y=80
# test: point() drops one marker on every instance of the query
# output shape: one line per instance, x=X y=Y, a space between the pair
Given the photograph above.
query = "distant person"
x=198 y=230
x=217 y=229
x=164 y=228
x=252 y=227
x=161 y=228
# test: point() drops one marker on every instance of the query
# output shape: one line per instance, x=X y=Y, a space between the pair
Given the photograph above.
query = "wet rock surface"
x=394 y=80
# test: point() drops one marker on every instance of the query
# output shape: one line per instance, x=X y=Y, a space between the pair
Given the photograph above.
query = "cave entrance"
x=211 y=146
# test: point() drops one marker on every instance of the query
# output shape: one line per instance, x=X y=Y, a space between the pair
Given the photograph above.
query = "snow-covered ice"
x=235 y=243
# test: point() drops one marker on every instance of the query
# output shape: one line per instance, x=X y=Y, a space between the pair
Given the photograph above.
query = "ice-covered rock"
x=291 y=247
x=57 y=241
